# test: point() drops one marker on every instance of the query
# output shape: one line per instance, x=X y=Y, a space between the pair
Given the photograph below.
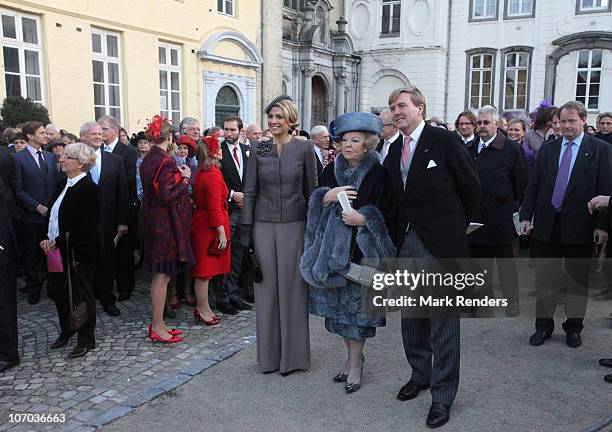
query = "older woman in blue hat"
x=335 y=237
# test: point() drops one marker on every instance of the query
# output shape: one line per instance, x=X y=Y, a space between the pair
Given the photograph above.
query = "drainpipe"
x=263 y=65
x=448 y=41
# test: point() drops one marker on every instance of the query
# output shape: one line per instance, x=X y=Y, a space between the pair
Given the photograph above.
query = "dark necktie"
x=562 y=177
x=41 y=164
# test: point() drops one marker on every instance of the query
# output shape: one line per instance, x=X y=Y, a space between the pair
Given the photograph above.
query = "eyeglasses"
x=483 y=122
x=466 y=124
x=63 y=156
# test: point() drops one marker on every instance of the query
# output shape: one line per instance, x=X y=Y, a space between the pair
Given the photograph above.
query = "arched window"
x=226 y=104
x=322 y=22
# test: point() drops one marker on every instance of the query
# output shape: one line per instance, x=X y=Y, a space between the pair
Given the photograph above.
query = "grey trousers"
x=435 y=336
x=283 y=338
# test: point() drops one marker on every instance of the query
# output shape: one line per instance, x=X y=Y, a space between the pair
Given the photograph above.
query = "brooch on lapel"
x=264 y=147
x=248 y=153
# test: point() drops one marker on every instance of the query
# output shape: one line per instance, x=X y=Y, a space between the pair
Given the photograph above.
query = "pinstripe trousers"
x=434 y=336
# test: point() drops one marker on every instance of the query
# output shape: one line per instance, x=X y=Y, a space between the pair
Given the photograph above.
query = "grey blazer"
x=277 y=188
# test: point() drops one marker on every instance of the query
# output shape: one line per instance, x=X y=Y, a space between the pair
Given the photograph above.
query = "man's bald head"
x=253 y=132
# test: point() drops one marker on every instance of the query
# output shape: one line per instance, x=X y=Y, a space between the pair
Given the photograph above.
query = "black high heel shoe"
x=341 y=377
x=353 y=387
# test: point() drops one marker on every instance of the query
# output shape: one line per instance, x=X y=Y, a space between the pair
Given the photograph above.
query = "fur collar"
x=345 y=176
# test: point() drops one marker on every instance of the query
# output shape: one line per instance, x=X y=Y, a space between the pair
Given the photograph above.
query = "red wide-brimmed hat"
x=190 y=143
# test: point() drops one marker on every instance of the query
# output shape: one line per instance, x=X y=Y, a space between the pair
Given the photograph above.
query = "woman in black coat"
x=74 y=230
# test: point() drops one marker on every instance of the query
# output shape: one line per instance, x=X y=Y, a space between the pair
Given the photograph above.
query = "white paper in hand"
x=473 y=227
x=344 y=201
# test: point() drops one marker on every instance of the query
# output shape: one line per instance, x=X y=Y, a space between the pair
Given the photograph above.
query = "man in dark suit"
x=503 y=175
x=234 y=168
x=124 y=253
x=436 y=189
x=319 y=136
x=7 y=174
x=9 y=354
x=569 y=171
x=390 y=135
x=109 y=174
x=36 y=178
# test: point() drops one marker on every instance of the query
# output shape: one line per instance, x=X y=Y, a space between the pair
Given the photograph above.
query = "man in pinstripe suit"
x=436 y=188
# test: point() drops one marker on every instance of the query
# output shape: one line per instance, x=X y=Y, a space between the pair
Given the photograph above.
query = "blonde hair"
x=290 y=112
x=416 y=97
x=83 y=153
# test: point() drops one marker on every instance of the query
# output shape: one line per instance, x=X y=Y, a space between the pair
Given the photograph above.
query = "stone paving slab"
x=122 y=373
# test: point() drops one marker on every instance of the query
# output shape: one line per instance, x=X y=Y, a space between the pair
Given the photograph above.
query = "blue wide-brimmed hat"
x=355 y=121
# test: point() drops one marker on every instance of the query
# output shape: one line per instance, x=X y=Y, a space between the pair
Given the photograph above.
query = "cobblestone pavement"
x=123 y=372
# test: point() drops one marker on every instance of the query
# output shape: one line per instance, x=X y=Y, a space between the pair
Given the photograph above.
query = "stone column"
x=340 y=91
x=307 y=72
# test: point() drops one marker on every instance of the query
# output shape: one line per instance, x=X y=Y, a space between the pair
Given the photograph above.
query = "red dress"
x=210 y=199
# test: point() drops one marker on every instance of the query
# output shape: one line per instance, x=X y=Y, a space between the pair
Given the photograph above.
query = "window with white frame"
x=588 y=78
x=515 y=80
x=225 y=7
x=593 y=5
x=481 y=80
x=518 y=8
x=106 y=62
x=22 y=55
x=391 y=13
x=170 y=81
x=484 y=9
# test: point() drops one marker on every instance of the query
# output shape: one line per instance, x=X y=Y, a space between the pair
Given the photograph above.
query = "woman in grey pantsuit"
x=281 y=176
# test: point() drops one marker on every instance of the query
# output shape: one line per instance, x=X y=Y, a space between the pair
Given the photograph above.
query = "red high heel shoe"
x=176 y=304
x=173 y=332
x=157 y=338
x=198 y=318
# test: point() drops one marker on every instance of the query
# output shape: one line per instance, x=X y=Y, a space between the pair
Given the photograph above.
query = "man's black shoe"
x=410 y=390
x=238 y=305
x=5 y=365
x=438 y=415
x=123 y=296
x=573 y=340
x=606 y=362
x=608 y=378
x=33 y=298
x=59 y=342
x=112 y=310
x=227 y=309
x=78 y=351
x=538 y=338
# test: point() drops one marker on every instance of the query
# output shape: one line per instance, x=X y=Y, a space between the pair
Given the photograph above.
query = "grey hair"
x=112 y=122
x=370 y=140
x=52 y=126
x=85 y=155
x=87 y=126
x=187 y=121
x=317 y=131
x=489 y=109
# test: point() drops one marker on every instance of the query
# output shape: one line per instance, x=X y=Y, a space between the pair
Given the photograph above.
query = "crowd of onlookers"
x=209 y=213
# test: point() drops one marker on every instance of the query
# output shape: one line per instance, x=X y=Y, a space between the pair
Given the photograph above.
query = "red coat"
x=210 y=199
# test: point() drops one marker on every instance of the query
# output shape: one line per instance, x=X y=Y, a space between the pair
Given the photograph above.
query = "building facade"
x=320 y=70
x=468 y=53
x=82 y=59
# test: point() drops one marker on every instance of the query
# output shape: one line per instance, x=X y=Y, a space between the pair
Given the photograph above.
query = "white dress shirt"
x=386 y=144
x=34 y=153
x=240 y=167
x=483 y=145
x=466 y=141
x=110 y=147
x=319 y=153
x=53 y=231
